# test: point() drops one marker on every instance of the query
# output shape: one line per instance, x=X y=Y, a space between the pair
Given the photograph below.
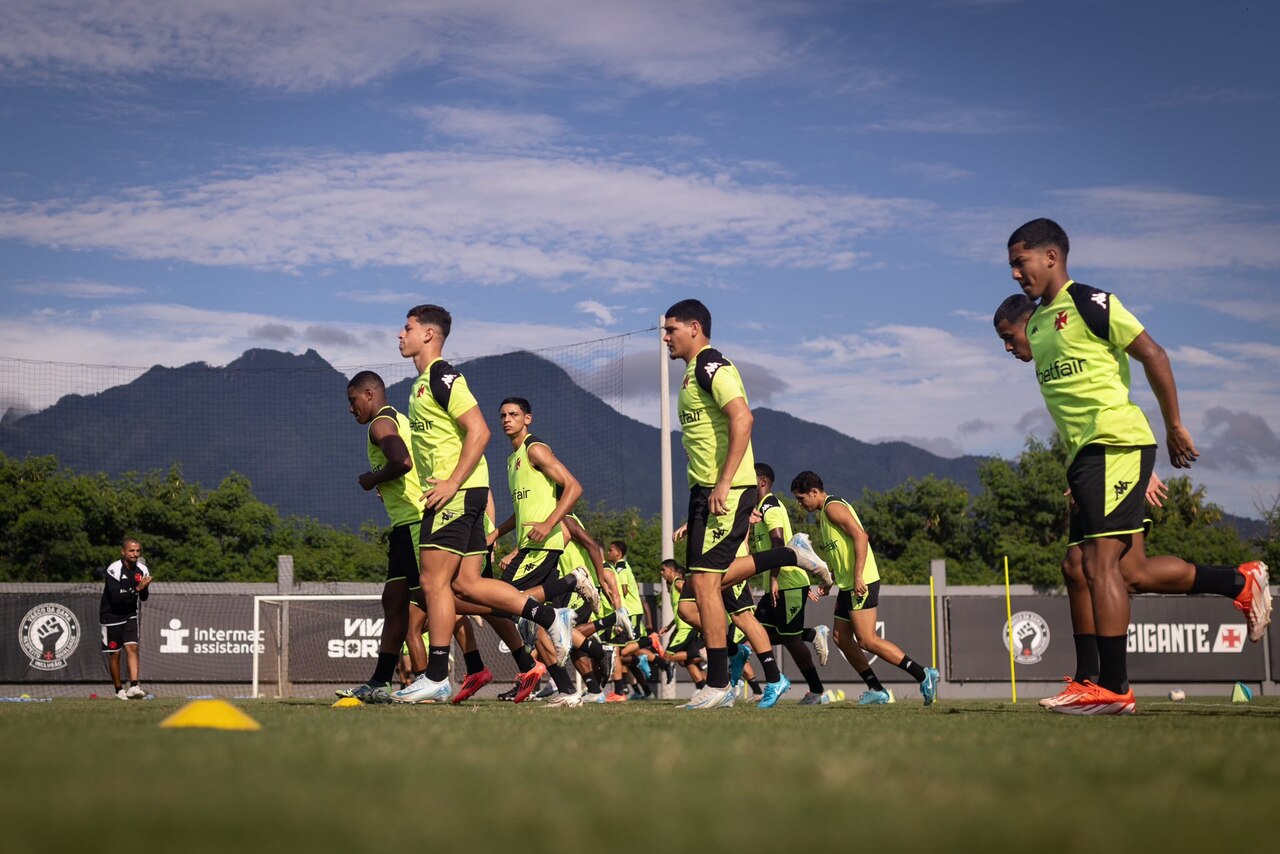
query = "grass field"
x=963 y=776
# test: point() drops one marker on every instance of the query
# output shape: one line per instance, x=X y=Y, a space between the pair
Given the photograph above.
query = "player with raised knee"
x=684 y=641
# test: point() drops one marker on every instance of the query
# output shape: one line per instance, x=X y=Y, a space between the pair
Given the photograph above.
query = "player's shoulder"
x=115 y=568
x=770 y=502
x=1094 y=307
x=441 y=376
x=708 y=363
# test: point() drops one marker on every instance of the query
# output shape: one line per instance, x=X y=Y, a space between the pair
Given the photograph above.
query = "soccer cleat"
x=656 y=640
x=821 y=644
x=1096 y=700
x=510 y=694
x=808 y=560
x=874 y=698
x=610 y=661
x=707 y=697
x=737 y=662
x=773 y=691
x=1255 y=600
x=812 y=699
x=1069 y=692
x=622 y=626
x=561 y=632
x=379 y=696
x=929 y=687
x=135 y=692
x=546 y=692
x=424 y=690
x=586 y=588
x=122 y=694
x=642 y=664
x=364 y=693
x=565 y=701
x=597 y=697
x=528 y=631
x=528 y=682
x=615 y=697
x=473 y=683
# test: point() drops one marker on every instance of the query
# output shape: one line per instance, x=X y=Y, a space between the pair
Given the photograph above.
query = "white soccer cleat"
x=423 y=690
x=707 y=697
x=822 y=644
x=135 y=692
x=808 y=560
x=122 y=694
x=561 y=632
x=597 y=697
x=586 y=588
x=622 y=625
x=565 y=701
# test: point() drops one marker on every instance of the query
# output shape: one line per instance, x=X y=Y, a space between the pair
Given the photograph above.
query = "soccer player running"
x=1158 y=574
x=853 y=563
x=448 y=441
x=543 y=492
x=124 y=586
x=781 y=609
x=715 y=421
x=1081 y=339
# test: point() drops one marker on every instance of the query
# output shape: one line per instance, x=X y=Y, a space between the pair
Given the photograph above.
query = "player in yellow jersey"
x=1081 y=339
x=449 y=435
x=1155 y=574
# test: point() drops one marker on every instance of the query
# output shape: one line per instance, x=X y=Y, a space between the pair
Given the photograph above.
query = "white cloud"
x=491 y=128
x=600 y=311
x=382 y=296
x=955 y=119
x=75 y=289
x=937 y=172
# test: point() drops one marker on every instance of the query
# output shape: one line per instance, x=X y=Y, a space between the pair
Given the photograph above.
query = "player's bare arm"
x=740 y=419
x=383 y=433
x=570 y=491
x=1155 y=363
x=842 y=518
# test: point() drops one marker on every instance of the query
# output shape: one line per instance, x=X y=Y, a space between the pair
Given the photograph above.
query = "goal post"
x=325 y=625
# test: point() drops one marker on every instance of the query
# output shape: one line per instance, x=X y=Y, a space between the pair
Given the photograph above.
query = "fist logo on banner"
x=48 y=635
x=1030 y=637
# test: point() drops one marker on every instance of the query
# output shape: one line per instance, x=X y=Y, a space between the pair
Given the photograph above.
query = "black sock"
x=754 y=685
x=775 y=558
x=543 y=615
x=419 y=673
x=438 y=663
x=1113 y=670
x=1218 y=580
x=474 y=662
x=808 y=635
x=699 y=684
x=558 y=587
x=645 y=643
x=1086 y=658
x=524 y=661
x=560 y=675
x=589 y=680
x=872 y=680
x=815 y=681
x=605 y=623
x=916 y=671
x=384 y=669
x=717 y=667
x=620 y=686
x=641 y=682
x=133 y=683
x=770 y=665
x=731 y=648
x=594 y=650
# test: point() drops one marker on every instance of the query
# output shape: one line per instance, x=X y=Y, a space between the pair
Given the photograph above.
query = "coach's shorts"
x=786 y=617
x=1109 y=485
x=114 y=637
x=736 y=599
x=712 y=542
x=847 y=602
x=402 y=554
x=532 y=568
x=457 y=527
x=1075 y=527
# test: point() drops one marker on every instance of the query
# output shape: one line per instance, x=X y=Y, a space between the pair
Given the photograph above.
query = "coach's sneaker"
x=565 y=701
x=822 y=644
x=622 y=626
x=135 y=692
x=122 y=694
x=1096 y=700
x=738 y=662
x=707 y=697
x=808 y=560
x=773 y=691
x=424 y=690
x=874 y=698
x=561 y=632
x=1255 y=600
x=812 y=699
x=1069 y=691
x=929 y=687
x=586 y=588
x=473 y=683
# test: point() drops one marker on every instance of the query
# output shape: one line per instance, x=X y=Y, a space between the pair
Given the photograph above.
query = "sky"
x=837 y=181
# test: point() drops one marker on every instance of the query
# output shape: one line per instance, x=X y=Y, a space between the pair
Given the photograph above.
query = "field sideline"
x=965 y=775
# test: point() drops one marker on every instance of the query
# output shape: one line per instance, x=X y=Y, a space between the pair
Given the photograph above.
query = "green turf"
x=968 y=776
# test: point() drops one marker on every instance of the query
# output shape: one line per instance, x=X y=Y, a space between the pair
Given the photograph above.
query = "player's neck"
x=518 y=439
x=428 y=354
x=1054 y=288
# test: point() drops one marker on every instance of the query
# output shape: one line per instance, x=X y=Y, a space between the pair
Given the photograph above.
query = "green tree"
x=916 y=522
x=1190 y=526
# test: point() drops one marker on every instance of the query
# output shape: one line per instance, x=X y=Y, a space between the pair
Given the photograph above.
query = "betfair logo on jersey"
x=519 y=494
x=419 y=425
x=1100 y=298
x=1060 y=321
x=1061 y=369
x=690 y=417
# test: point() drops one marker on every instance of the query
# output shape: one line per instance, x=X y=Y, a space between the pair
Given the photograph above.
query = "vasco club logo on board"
x=48 y=635
x=1030 y=637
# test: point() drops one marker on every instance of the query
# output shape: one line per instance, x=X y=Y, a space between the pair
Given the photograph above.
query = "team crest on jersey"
x=1030 y=635
x=685 y=384
x=48 y=635
x=421 y=391
x=1060 y=322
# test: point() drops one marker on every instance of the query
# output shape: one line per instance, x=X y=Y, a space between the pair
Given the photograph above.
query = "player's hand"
x=49 y=632
x=718 y=503
x=440 y=493
x=143 y=582
x=678 y=534
x=539 y=531
x=1156 y=491
x=756 y=516
x=1071 y=500
x=860 y=587
x=506 y=560
x=823 y=590
x=1182 y=451
x=367 y=481
x=773 y=589
x=816 y=596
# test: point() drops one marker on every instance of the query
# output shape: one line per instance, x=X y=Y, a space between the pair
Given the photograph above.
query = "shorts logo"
x=1031 y=636
x=717 y=532
x=48 y=635
x=447 y=515
x=1060 y=322
x=1122 y=488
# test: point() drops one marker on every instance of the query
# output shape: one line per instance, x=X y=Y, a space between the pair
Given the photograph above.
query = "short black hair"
x=433 y=315
x=520 y=402
x=620 y=546
x=674 y=564
x=689 y=310
x=766 y=471
x=124 y=543
x=1039 y=233
x=806 y=481
x=1013 y=309
x=367 y=379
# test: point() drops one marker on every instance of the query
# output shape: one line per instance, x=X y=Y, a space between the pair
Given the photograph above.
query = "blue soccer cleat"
x=929 y=687
x=773 y=691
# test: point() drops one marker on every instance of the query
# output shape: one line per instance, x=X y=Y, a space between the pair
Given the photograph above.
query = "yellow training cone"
x=347 y=703
x=1241 y=693
x=210 y=714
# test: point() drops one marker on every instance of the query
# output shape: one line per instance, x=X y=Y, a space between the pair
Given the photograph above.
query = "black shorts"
x=712 y=542
x=117 y=635
x=402 y=554
x=847 y=603
x=685 y=638
x=457 y=527
x=736 y=599
x=786 y=617
x=1075 y=528
x=532 y=568
x=1109 y=486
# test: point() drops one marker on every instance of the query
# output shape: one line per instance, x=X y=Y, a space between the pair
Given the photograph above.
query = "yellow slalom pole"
x=1008 y=610
x=933 y=623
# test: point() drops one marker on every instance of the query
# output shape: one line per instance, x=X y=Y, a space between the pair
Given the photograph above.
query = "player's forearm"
x=568 y=497
x=1160 y=377
x=609 y=579
x=861 y=548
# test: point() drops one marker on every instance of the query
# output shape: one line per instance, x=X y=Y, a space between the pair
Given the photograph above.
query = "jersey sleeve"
x=726 y=386
x=775 y=516
x=1124 y=327
x=449 y=388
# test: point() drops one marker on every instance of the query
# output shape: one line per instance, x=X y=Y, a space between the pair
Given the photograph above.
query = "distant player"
x=1081 y=339
x=1160 y=574
x=124 y=586
x=848 y=551
x=684 y=643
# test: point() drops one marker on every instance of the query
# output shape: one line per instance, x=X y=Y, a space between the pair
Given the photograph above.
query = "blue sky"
x=180 y=182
